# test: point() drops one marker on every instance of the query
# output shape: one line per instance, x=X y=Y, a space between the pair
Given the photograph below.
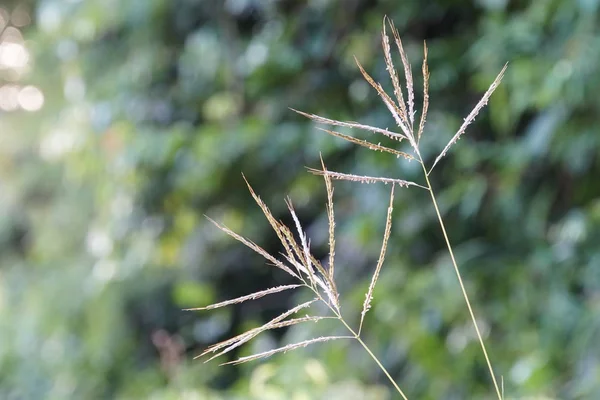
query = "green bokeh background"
x=154 y=108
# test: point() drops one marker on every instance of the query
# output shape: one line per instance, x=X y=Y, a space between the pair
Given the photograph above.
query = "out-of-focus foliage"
x=153 y=108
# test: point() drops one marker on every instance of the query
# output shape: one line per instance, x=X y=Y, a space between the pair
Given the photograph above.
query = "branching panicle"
x=303 y=266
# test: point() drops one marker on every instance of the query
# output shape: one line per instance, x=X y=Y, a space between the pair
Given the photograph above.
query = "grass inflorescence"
x=298 y=261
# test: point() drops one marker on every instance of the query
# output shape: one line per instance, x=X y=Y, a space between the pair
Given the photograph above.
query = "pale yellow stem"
x=462 y=286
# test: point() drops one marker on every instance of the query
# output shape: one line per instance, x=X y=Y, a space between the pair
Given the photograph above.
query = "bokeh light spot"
x=13 y=55
x=31 y=98
x=9 y=97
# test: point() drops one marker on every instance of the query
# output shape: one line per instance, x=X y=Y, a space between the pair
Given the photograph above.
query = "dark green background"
x=154 y=108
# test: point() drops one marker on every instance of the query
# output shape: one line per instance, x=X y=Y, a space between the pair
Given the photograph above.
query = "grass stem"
x=374 y=357
x=462 y=286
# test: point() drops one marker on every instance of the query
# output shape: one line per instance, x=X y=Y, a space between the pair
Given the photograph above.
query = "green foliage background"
x=154 y=108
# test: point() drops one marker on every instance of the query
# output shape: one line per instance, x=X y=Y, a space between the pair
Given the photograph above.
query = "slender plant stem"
x=363 y=344
x=374 y=357
x=462 y=286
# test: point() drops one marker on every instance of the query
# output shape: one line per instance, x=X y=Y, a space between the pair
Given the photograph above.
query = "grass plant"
x=298 y=261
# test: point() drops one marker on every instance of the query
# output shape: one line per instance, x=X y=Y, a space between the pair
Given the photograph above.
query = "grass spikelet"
x=373 y=129
x=307 y=260
x=471 y=117
x=330 y=220
x=254 y=247
x=393 y=75
x=407 y=74
x=329 y=287
x=369 y=145
x=238 y=340
x=364 y=178
x=295 y=321
x=425 y=70
x=287 y=348
x=290 y=242
x=277 y=227
x=386 y=238
x=389 y=103
x=241 y=299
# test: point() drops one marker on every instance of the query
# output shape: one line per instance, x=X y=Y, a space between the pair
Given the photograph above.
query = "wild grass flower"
x=297 y=259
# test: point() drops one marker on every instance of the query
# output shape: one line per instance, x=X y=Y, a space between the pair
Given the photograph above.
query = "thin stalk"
x=462 y=286
x=338 y=315
x=374 y=357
